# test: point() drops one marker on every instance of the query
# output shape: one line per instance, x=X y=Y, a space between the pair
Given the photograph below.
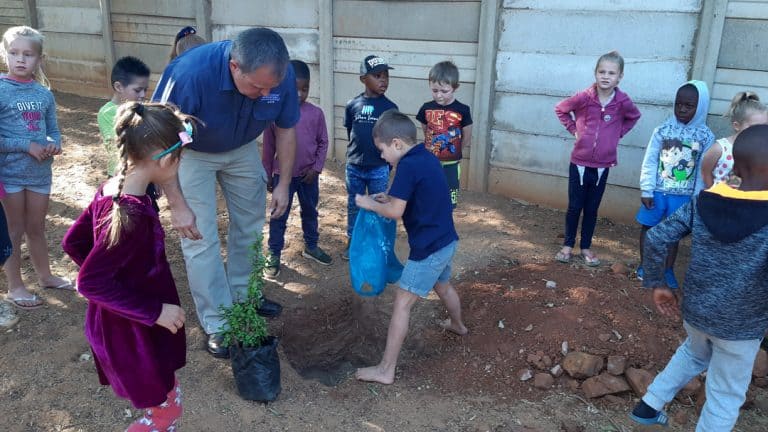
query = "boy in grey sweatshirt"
x=725 y=306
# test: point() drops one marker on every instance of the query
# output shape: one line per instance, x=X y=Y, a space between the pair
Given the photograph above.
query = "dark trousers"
x=5 y=240
x=309 y=196
x=583 y=197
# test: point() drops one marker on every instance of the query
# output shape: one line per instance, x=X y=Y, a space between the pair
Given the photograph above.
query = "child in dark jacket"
x=724 y=309
x=597 y=117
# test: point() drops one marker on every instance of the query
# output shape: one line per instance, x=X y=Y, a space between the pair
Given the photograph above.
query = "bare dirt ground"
x=444 y=382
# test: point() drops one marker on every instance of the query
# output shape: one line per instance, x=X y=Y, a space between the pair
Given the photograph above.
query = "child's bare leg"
x=384 y=372
x=13 y=204
x=450 y=299
x=34 y=226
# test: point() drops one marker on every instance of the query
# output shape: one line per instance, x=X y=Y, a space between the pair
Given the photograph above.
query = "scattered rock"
x=681 y=418
x=604 y=384
x=547 y=361
x=620 y=269
x=556 y=371
x=501 y=324
x=573 y=384
x=543 y=381
x=564 y=348
x=525 y=374
x=760 y=370
x=639 y=380
x=529 y=327
x=84 y=357
x=551 y=284
x=614 y=400
x=582 y=365
x=691 y=388
x=604 y=337
x=616 y=365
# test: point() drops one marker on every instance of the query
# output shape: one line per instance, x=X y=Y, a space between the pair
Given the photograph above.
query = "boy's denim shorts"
x=663 y=206
x=419 y=277
x=42 y=190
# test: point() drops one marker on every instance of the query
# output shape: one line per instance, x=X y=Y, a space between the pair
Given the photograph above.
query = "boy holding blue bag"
x=419 y=194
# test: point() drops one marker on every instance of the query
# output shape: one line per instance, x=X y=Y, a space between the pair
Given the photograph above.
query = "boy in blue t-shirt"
x=366 y=171
x=419 y=194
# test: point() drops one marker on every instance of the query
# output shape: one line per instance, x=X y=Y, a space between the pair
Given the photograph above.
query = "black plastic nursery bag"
x=257 y=371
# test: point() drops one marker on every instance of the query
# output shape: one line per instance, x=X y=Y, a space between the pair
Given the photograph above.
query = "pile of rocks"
x=597 y=376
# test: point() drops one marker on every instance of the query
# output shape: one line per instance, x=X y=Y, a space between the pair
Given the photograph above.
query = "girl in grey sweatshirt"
x=29 y=138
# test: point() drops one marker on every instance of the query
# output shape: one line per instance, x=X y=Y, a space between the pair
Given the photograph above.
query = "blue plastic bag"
x=372 y=259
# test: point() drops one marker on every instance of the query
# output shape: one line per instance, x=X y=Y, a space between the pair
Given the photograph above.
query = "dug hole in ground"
x=444 y=382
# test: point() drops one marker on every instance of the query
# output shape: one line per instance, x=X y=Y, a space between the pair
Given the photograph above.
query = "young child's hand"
x=647 y=202
x=364 y=201
x=171 y=317
x=381 y=197
x=37 y=151
x=666 y=302
x=310 y=177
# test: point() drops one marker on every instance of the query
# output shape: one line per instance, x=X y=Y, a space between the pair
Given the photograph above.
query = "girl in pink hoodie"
x=597 y=117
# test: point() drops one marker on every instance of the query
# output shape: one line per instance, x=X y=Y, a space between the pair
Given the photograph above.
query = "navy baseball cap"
x=373 y=64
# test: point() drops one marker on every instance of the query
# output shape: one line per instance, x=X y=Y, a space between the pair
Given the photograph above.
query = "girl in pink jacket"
x=598 y=117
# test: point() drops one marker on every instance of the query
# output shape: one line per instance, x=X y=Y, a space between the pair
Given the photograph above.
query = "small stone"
x=616 y=365
x=582 y=365
x=525 y=374
x=613 y=400
x=547 y=361
x=84 y=357
x=619 y=269
x=564 y=348
x=543 y=381
x=501 y=324
x=639 y=380
x=604 y=384
x=573 y=384
x=556 y=371
x=533 y=358
x=551 y=284
x=604 y=337
x=529 y=327
x=691 y=388
x=760 y=369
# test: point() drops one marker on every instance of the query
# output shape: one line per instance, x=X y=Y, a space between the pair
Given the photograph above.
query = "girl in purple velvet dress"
x=134 y=322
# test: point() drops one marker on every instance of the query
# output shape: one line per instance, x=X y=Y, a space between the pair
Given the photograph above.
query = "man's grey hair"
x=257 y=47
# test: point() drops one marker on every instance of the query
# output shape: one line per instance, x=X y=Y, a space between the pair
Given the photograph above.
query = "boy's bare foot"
x=375 y=374
x=458 y=329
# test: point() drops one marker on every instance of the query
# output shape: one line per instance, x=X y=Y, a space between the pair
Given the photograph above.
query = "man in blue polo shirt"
x=236 y=88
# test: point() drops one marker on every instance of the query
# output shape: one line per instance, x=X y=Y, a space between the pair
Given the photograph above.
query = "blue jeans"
x=362 y=180
x=729 y=365
x=584 y=195
x=309 y=196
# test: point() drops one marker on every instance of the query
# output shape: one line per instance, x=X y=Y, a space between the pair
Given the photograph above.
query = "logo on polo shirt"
x=271 y=98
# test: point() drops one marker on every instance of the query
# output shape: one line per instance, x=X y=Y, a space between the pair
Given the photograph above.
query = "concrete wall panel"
x=600 y=5
x=269 y=13
x=743 y=45
x=521 y=31
x=69 y=19
x=301 y=43
x=407 y=20
x=645 y=80
x=172 y=8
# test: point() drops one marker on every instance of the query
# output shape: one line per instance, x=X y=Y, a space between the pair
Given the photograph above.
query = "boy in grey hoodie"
x=725 y=311
x=670 y=176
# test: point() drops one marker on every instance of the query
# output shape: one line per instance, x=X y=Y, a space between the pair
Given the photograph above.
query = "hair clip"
x=186 y=31
x=185 y=137
x=139 y=109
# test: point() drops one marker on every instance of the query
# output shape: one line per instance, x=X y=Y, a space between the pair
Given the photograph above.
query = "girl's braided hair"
x=140 y=131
